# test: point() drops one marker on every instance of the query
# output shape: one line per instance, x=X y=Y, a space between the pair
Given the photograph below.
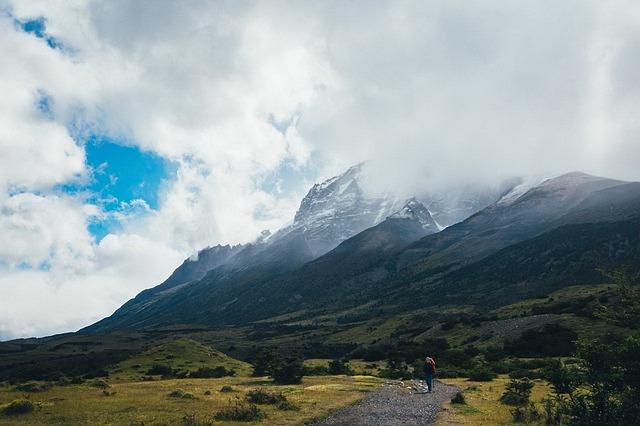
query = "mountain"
x=227 y=294
x=335 y=210
x=395 y=263
x=195 y=268
x=330 y=213
x=517 y=217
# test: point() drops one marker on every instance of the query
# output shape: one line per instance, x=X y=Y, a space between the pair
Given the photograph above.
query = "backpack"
x=430 y=365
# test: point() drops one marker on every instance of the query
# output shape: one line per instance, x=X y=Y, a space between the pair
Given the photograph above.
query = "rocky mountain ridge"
x=405 y=251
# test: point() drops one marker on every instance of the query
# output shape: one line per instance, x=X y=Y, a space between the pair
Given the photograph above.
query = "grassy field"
x=179 y=354
x=150 y=403
x=482 y=403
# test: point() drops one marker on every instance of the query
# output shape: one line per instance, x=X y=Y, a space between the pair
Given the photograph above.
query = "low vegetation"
x=567 y=357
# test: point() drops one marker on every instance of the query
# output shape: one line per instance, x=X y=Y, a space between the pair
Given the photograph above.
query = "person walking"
x=429 y=371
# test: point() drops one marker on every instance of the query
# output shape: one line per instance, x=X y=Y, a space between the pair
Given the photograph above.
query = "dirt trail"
x=393 y=404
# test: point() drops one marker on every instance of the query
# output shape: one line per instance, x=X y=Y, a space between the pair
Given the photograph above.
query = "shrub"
x=76 y=380
x=207 y=392
x=211 y=373
x=240 y=412
x=525 y=414
x=192 y=420
x=287 y=405
x=159 y=369
x=18 y=406
x=517 y=392
x=288 y=372
x=33 y=387
x=262 y=362
x=397 y=369
x=226 y=388
x=339 y=366
x=458 y=399
x=552 y=340
x=96 y=373
x=261 y=396
x=482 y=373
x=99 y=383
x=179 y=393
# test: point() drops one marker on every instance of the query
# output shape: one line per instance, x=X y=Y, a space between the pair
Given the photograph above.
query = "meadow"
x=183 y=401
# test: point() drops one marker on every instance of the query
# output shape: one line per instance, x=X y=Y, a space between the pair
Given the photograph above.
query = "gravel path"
x=393 y=404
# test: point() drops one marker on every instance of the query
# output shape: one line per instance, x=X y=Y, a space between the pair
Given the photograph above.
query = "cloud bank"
x=251 y=102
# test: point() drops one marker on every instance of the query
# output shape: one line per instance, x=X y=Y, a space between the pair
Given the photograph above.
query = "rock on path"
x=393 y=404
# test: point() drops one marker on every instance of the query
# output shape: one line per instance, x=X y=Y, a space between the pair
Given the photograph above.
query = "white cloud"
x=232 y=92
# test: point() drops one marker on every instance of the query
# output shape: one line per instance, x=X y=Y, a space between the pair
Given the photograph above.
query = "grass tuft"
x=18 y=406
x=261 y=396
x=179 y=393
x=458 y=399
x=240 y=412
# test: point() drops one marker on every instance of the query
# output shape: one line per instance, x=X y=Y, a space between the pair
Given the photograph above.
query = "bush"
x=261 y=396
x=397 y=369
x=551 y=341
x=96 y=373
x=226 y=388
x=18 y=406
x=99 y=383
x=262 y=362
x=288 y=372
x=33 y=387
x=159 y=369
x=525 y=414
x=179 y=393
x=339 y=366
x=192 y=420
x=458 y=399
x=211 y=373
x=287 y=405
x=482 y=373
x=517 y=392
x=240 y=412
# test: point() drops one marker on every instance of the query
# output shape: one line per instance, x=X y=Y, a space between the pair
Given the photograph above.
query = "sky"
x=135 y=133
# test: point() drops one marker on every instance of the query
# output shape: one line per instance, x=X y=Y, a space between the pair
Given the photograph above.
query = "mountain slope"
x=513 y=219
x=568 y=255
x=239 y=296
x=395 y=263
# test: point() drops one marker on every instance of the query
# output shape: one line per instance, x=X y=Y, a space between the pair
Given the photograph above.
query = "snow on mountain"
x=337 y=209
x=522 y=186
x=414 y=209
x=334 y=211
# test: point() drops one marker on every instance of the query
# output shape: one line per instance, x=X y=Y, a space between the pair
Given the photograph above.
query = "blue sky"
x=122 y=176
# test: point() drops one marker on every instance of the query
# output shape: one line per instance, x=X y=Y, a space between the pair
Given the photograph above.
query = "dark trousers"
x=429 y=378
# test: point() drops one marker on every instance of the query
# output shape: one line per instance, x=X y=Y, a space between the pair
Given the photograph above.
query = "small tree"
x=263 y=361
x=339 y=366
x=288 y=371
x=605 y=388
x=517 y=392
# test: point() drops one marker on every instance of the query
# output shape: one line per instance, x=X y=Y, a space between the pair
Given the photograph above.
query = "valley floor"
x=183 y=401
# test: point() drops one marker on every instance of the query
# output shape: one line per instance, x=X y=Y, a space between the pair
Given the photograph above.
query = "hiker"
x=429 y=371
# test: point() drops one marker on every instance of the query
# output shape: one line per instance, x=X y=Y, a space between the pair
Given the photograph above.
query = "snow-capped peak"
x=414 y=209
x=523 y=187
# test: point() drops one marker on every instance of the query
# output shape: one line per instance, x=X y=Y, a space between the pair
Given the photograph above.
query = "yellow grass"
x=482 y=403
x=149 y=403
